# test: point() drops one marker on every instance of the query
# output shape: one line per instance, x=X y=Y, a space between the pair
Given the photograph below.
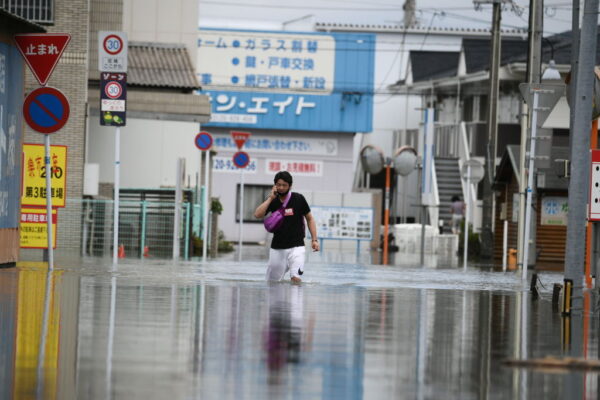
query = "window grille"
x=38 y=11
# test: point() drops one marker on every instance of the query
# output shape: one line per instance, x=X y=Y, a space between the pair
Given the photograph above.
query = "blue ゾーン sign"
x=113 y=98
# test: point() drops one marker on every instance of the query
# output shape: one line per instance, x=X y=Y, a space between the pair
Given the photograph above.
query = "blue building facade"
x=288 y=81
x=11 y=137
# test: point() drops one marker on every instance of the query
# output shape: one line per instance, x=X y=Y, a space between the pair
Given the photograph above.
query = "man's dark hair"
x=455 y=198
x=286 y=176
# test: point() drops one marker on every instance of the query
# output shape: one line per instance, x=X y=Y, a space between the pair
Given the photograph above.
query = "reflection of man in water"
x=284 y=336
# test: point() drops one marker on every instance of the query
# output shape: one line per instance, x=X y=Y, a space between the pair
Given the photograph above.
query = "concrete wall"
x=174 y=21
x=149 y=152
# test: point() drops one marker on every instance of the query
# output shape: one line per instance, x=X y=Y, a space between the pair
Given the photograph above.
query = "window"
x=39 y=11
x=254 y=195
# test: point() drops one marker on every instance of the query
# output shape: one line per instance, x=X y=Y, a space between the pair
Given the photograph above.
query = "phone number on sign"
x=224 y=164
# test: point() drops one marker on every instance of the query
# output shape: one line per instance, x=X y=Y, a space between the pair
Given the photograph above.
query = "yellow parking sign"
x=34 y=228
x=34 y=175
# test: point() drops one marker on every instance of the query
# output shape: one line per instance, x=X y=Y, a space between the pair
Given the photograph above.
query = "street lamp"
x=373 y=161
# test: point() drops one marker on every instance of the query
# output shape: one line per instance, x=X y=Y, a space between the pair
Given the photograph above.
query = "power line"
x=302 y=7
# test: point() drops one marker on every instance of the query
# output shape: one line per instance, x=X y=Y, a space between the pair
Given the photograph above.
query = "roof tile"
x=160 y=65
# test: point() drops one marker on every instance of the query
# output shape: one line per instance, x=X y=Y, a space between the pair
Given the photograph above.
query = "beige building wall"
x=105 y=15
x=70 y=76
x=174 y=21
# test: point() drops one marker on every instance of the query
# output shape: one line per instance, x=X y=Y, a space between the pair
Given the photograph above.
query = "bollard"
x=512 y=259
x=566 y=310
x=121 y=251
x=556 y=296
x=533 y=287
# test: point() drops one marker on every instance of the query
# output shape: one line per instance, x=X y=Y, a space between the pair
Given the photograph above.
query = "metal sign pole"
x=241 y=213
x=116 y=195
x=205 y=206
x=176 y=214
x=526 y=234
x=49 y=202
x=467 y=211
x=386 y=213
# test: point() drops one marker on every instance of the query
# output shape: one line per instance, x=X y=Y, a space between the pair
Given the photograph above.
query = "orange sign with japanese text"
x=33 y=190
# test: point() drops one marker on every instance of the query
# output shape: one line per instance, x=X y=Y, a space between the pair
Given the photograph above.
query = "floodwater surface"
x=217 y=330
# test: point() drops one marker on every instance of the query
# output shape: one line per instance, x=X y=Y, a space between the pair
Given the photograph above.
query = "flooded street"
x=192 y=330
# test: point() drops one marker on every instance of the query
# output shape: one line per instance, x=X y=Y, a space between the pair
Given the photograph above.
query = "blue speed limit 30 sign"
x=46 y=110
x=241 y=159
x=203 y=141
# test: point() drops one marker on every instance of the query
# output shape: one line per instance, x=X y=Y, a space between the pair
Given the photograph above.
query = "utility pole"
x=487 y=235
x=409 y=13
x=580 y=155
x=534 y=66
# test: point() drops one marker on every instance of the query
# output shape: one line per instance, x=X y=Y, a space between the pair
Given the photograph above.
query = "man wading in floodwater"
x=287 y=248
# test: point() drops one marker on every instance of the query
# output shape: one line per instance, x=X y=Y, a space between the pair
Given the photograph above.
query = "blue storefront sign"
x=291 y=81
x=11 y=89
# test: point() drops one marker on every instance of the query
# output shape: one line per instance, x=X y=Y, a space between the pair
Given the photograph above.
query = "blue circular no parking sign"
x=241 y=159
x=203 y=141
x=46 y=110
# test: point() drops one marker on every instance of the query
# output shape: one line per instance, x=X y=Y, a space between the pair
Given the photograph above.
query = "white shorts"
x=282 y=261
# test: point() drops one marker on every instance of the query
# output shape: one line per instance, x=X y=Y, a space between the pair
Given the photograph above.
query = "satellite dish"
x=405 y=160
x=372 y=159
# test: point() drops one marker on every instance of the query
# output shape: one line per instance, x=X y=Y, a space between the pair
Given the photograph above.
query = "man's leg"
x=277 y=266
x=296 y=258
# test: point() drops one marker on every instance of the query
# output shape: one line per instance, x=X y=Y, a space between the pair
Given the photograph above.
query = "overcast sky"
x=273 y=14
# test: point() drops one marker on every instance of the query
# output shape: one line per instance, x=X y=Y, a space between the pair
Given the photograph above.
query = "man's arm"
x=312 y=228
x=262 y=209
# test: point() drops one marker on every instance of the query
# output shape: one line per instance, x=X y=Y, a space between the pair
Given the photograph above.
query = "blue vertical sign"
x=11 y=88
x=283 y=80
x=113 y=98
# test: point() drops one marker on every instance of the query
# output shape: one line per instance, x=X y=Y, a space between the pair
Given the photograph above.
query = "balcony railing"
x=38 y=11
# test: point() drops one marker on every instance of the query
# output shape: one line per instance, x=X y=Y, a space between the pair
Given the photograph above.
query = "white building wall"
x=149 y=152
x=395 y=112
x=391 y=112
x=336 y=176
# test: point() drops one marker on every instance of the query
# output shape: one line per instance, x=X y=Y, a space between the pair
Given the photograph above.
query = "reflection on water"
x=285 y=336
x=186 y=331
x=38 y=313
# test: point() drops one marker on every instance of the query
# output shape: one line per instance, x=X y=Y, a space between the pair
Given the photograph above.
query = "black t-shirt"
x=291 y=233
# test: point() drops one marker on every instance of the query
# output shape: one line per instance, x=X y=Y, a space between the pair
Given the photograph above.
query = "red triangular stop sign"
x=42 y=52
x=240 y=138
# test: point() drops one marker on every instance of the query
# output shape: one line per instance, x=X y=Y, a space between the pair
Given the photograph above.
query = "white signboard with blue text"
x=291 y=81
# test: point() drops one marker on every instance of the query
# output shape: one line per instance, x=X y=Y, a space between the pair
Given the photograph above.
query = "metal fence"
x=145 y=227
x=447 y=141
